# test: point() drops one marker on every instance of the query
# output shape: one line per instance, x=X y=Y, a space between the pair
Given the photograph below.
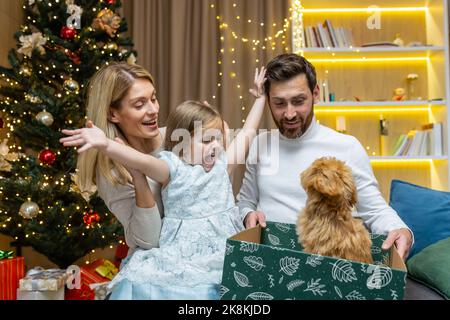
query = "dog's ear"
x=349 y=185
x=323 y=180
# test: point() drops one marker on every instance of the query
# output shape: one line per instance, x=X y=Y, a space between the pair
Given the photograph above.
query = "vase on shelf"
x=411 y=88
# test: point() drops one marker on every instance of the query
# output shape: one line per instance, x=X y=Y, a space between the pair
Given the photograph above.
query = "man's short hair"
x=288 y=66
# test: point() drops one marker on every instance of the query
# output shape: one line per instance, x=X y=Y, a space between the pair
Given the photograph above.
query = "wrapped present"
x=121 y=253
x=107 y=269
x=12 y=269
x=99 y=272
x=84 y=293
x=39 y=279
x=41 y=295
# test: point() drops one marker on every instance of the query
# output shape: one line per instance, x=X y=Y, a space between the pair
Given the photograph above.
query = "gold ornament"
x=45 y=118
x=29 y=210
x=6 y=157
x=111 y=46
x=25 y=70
x=131 y=59
x=71 y=85
x=33 y=99
x=108 y=21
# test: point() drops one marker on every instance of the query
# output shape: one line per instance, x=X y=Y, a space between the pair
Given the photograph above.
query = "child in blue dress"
x=200 y=211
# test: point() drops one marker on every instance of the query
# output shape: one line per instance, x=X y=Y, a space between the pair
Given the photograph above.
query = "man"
x=292 y=90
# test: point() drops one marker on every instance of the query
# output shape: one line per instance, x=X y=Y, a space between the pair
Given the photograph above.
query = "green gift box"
x=269 y=264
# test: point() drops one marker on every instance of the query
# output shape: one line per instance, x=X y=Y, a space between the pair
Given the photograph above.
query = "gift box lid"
x=39 y=279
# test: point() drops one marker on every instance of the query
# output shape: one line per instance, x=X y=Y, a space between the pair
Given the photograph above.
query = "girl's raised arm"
x=93 y=137
x=238 y=148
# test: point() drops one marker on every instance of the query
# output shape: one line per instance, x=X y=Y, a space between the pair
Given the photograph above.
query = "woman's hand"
x=260 y=78
x=86 y=138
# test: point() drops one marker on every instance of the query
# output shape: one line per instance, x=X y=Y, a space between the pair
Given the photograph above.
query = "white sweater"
x=277 y=191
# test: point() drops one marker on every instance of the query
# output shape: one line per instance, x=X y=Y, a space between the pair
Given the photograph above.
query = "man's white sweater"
x=272 y=179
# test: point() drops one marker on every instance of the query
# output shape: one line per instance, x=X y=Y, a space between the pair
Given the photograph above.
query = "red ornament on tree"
x=111 y=2
x=68 y=33
x=47 y=157
x=91 y=217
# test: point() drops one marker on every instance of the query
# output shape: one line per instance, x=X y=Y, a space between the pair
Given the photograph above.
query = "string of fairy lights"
x=277 y=38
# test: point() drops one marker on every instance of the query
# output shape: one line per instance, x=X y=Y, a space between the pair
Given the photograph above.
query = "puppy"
x=326 y=225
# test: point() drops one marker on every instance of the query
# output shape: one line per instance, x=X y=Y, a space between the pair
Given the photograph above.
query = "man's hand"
x=253 y=218
x=403 y=240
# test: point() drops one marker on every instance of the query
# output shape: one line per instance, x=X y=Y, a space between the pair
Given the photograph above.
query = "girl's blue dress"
x=200 y=214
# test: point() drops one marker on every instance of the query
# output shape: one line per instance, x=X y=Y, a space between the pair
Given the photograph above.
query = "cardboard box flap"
x=249 y=235
x=395 y=261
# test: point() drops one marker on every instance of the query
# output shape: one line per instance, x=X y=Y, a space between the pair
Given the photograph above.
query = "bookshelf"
x=363 y=78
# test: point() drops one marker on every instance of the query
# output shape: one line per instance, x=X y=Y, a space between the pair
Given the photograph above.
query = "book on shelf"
x=379 y=44
x=425 y=142
x=324 y=95
x=324 y=35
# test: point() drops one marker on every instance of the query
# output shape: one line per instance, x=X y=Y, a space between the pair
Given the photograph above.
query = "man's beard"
x=297 y=132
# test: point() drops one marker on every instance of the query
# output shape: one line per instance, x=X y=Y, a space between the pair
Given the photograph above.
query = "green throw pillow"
x=431 y=267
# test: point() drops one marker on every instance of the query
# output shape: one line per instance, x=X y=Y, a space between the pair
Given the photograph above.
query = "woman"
x=122 y=102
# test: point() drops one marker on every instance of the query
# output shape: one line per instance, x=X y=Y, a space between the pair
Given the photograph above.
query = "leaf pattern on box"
x=315 y=277
x=338 y=292
x=380 y=278
x=249 y=247
x=343 y=271
x=229 y=249
x=364 y=268
x=256 y=263
x=289 y=265
x=259 y=296
x=293 y=244
x=315 y=287
x=274 y=240
x=394 y=295
x=223 y=291
x=294 y=284
x=355 y=295
x=283 y=227
x=271 y=281
x=375 y=250
x=314 y=260
x=241 y=279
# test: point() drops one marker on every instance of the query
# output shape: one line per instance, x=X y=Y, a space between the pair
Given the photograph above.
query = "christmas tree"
x=59 y=48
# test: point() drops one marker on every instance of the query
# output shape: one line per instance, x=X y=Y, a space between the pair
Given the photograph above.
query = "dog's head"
x=329 y=178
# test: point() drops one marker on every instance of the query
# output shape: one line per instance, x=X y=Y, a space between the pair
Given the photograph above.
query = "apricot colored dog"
x=326 y=225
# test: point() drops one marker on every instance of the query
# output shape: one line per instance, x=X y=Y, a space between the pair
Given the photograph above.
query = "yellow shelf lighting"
x=364 y=10
x=396 y=59
x=319 y=109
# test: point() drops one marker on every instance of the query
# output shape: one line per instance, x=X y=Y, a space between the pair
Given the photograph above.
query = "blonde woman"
x=200 y=209
x=122 y=103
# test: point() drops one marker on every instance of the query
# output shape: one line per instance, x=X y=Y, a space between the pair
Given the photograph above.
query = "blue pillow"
x=425 y=211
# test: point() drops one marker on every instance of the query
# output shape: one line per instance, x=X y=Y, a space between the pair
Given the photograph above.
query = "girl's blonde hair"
x=106 y=90
x=185 y=117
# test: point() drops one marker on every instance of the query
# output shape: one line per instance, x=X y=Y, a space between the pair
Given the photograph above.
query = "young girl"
x=200 y=212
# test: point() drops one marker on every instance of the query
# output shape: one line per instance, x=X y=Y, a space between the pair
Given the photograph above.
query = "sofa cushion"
x=425 y=211
x=431 y=267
